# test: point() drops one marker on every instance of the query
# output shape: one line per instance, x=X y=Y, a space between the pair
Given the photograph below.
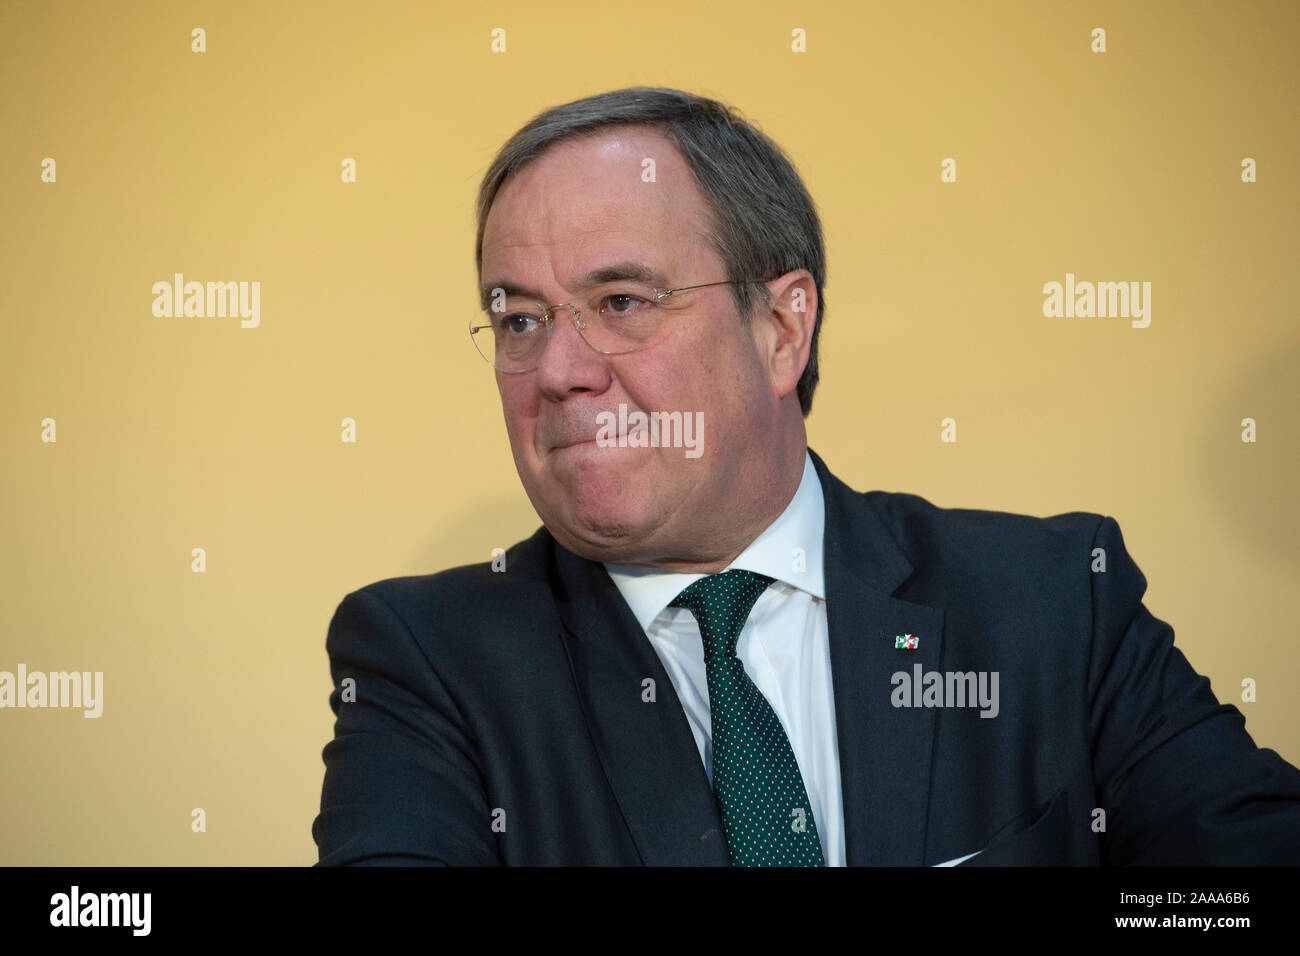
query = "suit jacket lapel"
x=884 y=751
x=646 y=749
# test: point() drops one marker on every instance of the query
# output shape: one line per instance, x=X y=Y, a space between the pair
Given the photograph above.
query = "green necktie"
x=766 y=813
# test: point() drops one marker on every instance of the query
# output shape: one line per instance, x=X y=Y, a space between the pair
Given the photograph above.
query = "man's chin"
x=599 y=537
x=602 y=531
x=602 y=504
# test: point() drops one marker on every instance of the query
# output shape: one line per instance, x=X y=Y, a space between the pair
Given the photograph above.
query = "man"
x=715 y=652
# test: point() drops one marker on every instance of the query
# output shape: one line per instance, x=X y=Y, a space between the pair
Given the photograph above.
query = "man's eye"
x=519 y=323
x=623 y=304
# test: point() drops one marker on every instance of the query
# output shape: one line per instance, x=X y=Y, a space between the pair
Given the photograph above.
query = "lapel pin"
x=907 y=642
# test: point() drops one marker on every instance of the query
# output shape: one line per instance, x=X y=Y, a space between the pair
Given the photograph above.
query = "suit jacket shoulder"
x=965 y=552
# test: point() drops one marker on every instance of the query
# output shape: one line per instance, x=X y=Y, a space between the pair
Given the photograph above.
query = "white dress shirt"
x=784 y=647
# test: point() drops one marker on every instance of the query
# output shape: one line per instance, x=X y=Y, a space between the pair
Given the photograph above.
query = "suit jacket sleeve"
x=1180 y=779
x=401 y=784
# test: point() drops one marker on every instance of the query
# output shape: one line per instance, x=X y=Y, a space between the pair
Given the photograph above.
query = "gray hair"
x=764 y=222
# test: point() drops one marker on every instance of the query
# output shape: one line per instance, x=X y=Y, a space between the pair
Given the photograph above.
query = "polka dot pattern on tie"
x=766 y=813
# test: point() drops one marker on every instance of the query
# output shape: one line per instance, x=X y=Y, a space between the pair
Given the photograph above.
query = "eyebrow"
x=616 y=272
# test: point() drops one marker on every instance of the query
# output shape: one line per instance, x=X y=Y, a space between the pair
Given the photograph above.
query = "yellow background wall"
x=182 y=433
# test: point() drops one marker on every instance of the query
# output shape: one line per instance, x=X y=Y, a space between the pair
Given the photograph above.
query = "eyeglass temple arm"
x=704 y=285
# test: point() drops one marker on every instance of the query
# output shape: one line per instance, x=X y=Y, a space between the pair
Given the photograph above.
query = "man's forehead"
x=609 y=181
x=582 y=205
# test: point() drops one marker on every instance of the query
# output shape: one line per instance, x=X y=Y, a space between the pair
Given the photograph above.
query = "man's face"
x=581 y=206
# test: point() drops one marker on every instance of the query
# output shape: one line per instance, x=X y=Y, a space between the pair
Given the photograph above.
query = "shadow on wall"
x=475 y=528
x=1254 y=485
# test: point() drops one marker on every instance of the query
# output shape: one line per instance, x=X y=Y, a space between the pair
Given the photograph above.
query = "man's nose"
x=568 y=363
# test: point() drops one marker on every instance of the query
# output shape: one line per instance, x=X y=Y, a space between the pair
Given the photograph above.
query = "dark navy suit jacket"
x=499 y=717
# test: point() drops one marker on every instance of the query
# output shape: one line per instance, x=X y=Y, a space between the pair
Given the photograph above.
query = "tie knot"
x=721 y=603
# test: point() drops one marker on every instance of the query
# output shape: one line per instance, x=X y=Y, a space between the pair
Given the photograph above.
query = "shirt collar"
x=775 y=552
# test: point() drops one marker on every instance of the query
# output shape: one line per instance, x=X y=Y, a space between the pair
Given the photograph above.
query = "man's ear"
x=783 y=328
